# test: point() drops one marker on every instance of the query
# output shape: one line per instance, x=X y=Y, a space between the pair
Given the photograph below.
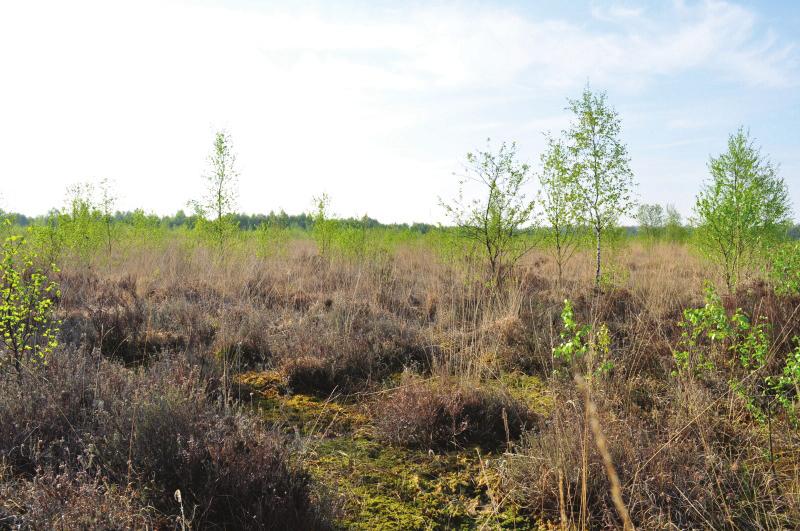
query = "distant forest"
x=245 y=221
x=281 y=219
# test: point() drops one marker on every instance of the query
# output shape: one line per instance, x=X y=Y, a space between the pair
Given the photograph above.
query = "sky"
x=377 y=103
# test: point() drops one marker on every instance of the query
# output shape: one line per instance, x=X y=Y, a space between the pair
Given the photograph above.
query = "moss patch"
x=529 y=389
x=387 y=487
x=391 y=488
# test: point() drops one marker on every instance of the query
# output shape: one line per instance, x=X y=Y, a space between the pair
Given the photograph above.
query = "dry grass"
x=103 y=433
x=686 y=455
x=439 y=413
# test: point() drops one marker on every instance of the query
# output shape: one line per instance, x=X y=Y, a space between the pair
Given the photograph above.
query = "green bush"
x=786 y=385
x=579 y=340
x=272 y=240
x=708 y=334
x=785 y=270
x=27 y=327
x=82 y=224
x=574 y=338
x=49 y=237
x=324 y=227
x=711 y=340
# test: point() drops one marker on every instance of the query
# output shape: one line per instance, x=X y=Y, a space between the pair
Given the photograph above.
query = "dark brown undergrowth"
x=151 y=431
x=69 y=500
x=111 y=316
x=120 y=430
x=688 y=461
x=444 y=413
x=349 y=347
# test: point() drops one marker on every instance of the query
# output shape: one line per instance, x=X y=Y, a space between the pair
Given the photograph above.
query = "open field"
x=394 y=390
x=347 y=265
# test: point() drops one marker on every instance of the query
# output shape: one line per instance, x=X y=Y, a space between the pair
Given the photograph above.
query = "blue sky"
x=376 y=103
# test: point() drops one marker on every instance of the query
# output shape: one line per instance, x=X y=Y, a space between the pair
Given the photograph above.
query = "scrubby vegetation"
x=343 y=374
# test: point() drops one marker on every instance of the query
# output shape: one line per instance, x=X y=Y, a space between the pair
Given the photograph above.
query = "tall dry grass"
x=684 y=455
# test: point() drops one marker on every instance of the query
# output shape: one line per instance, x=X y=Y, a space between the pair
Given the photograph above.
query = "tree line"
x=303 y=221
x=585 y=187
x=585 y=184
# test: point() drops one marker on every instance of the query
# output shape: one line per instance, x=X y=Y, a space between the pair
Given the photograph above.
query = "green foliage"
x=614 y=276
x=785 y=269
x=324 y=227
x=786 y=386
x=601 y=166
x=751 y=341
x=450 y=247
x=583 y=344
x=272 y=240
x=674 y=230
x=49 y=238
x=218 y=231
x=496 y=221
x=142 y=227
x=743 y=209
x=602 y=346
x=709 y=335
x=557 y=197
x=106 y=210
x=84 y=226
x=574 y=338
x=87 y=225
x=352 y=240
x=27 y=327
x=6 y=224
x=81 y=222
x=702 y=328
x=215 y=211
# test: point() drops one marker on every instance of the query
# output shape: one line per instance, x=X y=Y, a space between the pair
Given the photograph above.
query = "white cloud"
x=371 y=108
x=616 y=12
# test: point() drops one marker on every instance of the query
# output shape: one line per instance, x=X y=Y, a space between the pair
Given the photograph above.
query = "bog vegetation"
x=532 y=365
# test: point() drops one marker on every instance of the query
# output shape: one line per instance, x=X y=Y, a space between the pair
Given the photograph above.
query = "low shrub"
x=441 y=413
x=105 y=314
x=785 y=269
x=655 y=454
x=155 y=430
x=28 y=328
x=350 y=347
x=69 y=500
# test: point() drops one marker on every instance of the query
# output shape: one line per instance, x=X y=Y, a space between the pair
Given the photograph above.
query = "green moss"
x=528 y=389
x=266 y=383
x=394 y=488
x=260 y=380
x=383 y=512
x=386 y=487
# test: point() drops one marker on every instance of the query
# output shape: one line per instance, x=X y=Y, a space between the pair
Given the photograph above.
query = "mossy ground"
x=379 y=486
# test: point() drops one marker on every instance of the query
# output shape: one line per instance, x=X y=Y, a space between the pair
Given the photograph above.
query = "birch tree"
x=215 y=209
x=650 y=220
x=556 y=199
x=604 y=180
x=497 y=219
x=742 y=208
